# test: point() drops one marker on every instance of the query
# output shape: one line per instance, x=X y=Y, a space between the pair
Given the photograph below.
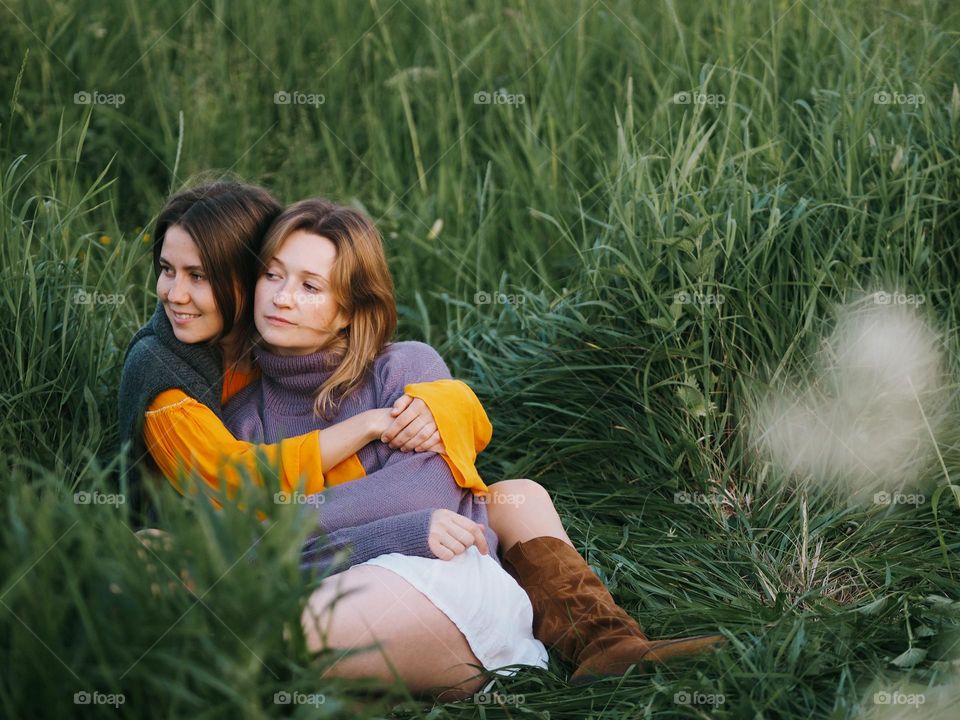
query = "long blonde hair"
x=360 y=282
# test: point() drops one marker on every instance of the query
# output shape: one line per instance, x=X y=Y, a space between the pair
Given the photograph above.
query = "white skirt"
x=481 y=599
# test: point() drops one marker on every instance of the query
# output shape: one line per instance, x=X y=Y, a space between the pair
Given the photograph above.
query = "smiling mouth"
x=183 y=316
x=277 y=320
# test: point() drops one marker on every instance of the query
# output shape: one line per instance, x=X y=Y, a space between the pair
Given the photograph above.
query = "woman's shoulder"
x=410 y=361
x=144 y=363
x=408 y=352
x=144 y=348
x=407 y=349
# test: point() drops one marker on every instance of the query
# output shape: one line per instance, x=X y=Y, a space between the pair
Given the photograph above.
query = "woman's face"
x=185 y=290
x=294 y=308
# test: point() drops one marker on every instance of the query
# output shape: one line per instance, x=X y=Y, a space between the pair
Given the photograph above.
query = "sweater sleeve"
x=417 y=367
x=183 y=434
x=463 y=425
x=413 y=481
x=407 y=534
x=407 y=362
x=405 y=483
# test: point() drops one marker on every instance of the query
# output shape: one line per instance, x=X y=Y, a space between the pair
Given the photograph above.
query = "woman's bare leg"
x=520 y=510
x=418 y=641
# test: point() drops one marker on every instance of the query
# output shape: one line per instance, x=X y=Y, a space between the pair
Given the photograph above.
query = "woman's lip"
x=273 y=320
x=183 y=320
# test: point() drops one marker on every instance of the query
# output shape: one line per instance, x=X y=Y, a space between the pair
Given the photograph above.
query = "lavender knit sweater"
x=389 y=509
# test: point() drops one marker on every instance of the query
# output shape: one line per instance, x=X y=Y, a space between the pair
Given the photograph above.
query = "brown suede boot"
x=575 y=615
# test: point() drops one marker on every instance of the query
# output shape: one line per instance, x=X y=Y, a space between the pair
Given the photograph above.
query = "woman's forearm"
x=340 y=441
x=407 y=534
x=414 y=481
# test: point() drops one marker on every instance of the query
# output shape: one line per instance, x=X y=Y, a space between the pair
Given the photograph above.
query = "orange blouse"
x=235 y=380
x=184 y=435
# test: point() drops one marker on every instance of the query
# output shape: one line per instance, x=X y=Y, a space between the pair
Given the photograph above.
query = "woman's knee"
x=522 y=509
x=518 y=491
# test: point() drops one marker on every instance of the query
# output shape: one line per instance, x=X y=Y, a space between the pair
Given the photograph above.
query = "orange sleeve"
x=236 y=380
x=463 y=425
x=345 y=471
x=183 y=434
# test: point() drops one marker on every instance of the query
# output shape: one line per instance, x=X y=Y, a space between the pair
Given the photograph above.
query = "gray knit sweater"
x=156 y=361
x=389 y=509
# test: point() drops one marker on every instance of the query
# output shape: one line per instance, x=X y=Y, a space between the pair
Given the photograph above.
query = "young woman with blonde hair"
x=324 y=311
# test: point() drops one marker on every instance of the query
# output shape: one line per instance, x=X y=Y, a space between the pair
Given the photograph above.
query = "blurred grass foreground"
x=621 y=222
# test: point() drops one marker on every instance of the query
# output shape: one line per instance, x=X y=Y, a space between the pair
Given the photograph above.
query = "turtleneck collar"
x=294 y=380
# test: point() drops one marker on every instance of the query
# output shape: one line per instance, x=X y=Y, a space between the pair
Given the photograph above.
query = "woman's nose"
x=178 y=293
x=281 y=298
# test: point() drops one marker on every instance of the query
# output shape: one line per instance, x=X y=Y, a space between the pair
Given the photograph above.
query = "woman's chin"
x=282 y=348
x=187 y=337
x=275 y=342
x=281 y=341
x=269 y=336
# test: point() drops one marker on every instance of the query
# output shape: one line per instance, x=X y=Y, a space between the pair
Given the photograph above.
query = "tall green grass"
x=568 y=254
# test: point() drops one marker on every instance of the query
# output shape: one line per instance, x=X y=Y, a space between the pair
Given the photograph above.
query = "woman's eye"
x=270 y=275
x=165 y=269
x=196 y=276
x=311 y=288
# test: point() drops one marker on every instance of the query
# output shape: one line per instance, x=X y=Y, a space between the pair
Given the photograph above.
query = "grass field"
x=618 y=221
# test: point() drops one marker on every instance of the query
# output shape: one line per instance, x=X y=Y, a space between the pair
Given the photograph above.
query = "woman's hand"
x=378 y=420
x=452 y=533
x=413 y=427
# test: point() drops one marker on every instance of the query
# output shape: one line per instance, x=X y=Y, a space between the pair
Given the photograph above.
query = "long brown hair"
x=360 y=282
x=227 y=220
